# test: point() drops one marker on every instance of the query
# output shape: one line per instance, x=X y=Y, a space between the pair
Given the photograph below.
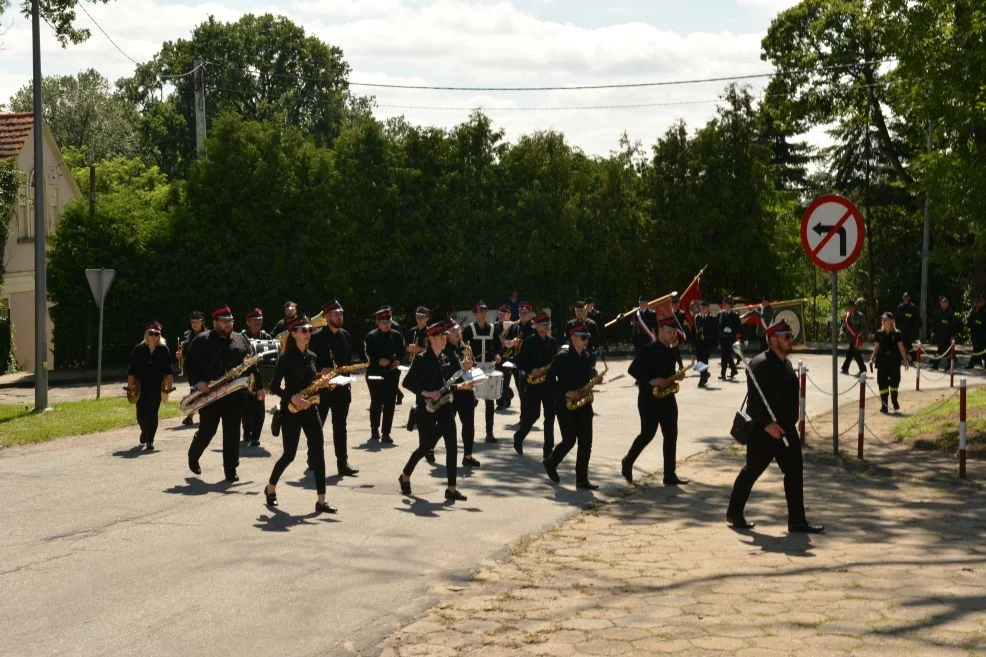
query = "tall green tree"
x=59 y=14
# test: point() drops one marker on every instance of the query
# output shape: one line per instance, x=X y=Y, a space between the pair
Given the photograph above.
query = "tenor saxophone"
x=672 y=387
x=539 y=375
x=585 y=392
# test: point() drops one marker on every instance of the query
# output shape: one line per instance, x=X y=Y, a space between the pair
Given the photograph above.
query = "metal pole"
x=925 y=248
x=92 y=192
x=862 y=415
x=99 y=354
x=835 y=363
x=199 y=107
x=40 y=235
x=962 y=428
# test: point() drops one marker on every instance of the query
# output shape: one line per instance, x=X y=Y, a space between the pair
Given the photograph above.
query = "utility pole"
x=199 y=107
x=925 y=252
x=40 y=235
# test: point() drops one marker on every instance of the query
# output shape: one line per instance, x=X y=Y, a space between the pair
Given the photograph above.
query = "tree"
x=83 y=112
x=59 y=14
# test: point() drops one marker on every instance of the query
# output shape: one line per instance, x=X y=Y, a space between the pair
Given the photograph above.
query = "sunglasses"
x=154 y=334
x=304 y=329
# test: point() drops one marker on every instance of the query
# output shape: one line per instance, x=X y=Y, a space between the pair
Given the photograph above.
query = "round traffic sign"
x=832 y=232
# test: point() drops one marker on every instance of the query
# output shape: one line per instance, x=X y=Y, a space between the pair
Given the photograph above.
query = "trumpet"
x=585 y=392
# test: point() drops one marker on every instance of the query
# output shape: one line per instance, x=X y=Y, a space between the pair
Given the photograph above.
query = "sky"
x=488 y=43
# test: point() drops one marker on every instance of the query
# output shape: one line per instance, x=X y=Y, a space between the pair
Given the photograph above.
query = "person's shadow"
x=279 y=521
x=793 y=545
x=194 y=487
x=133 y=452
x=426 y=509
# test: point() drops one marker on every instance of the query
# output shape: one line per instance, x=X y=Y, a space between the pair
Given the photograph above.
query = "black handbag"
x=743 y=425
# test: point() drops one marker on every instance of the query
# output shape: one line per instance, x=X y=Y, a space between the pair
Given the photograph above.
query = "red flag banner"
x=689 y=300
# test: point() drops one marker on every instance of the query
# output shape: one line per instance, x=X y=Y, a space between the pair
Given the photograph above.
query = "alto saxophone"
x=310 y=393
x=671 y=387
x=585 y=392
x=539 y=375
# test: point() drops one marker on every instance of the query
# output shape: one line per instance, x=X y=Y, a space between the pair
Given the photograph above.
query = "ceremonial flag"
x=690 y=299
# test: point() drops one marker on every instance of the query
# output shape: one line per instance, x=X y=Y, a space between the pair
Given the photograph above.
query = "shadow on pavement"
x=279 y=521
x=194 y=487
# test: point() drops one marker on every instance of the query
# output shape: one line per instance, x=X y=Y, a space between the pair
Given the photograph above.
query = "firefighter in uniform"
x=943 y=328
x=977 y=326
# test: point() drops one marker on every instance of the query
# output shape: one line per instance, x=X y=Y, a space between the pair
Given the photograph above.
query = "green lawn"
x=19 y=426
x=937 y=425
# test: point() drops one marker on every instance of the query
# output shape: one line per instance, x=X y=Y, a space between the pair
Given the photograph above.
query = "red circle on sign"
x=853 y=214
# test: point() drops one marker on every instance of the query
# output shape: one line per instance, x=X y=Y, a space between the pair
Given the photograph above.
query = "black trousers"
x=464 y=405
x=383 y=397
x=538 y=397
x=888 y=380
x=227 y=411
x=490 y=409
x=147 y=409
x=292 y=424
x=253 y=417
x=656 y=413
x=978 y=344
x=703 y=352
x=432 y=427
x=336 y=402
x=944 y=344
x=853 y=354
x=508 y=394
x=760 y=451
x=522 y=386
x=576 y=429
x=727 y=359
x=908 y=343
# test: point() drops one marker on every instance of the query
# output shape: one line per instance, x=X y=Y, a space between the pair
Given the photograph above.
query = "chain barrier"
x=824 y=392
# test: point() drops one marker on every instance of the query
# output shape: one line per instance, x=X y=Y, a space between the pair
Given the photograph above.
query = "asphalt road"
x=107 y=551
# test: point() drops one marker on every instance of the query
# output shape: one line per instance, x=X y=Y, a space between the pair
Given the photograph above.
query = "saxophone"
x=180 y=355
x=672 y=387
x=539 y=375
x=585 y=392
x=310 y=393
x=225 y=385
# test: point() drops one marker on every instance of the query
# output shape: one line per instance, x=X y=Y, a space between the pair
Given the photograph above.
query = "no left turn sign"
x=832 y=232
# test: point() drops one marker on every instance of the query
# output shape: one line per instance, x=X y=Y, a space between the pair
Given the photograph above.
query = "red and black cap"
x=667 y=322
x=298 y=322
x=222 y=312
x=197 y=314
x=439 y=327
x=778 y=327
x=479 y=306
x=153 y=327
x=542 y=318
x=256 y=313
x=422 y=311
x=525 y=307
x=580 y=329
x=504 y=309
x=332 y=307
x=384 y=313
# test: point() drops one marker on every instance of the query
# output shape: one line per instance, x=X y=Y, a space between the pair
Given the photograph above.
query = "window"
x=25 y=208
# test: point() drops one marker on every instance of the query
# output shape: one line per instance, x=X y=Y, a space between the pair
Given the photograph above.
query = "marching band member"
x=150 y=364
x=535 y=357
x=596 y=316
x=502 y=330
x=571 y=370
x=463 y=400
x=644 y=325
x=517 y=334
x=427 y=379
x=196 y=322
x=254 y=409
x=582 y=317
x=290 y=309
x=417 y=343
x=888 y=354
x=729 y=333
x=482 y=337
x=654 y=368
x=384 y=348
x=210 y=355
x=333 y=346
x=295 y=370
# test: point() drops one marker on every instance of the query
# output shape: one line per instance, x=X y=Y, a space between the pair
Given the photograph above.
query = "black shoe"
x=233 y=478
x=551 y=470
x=845 y=371
x=627 y=469
x=470 y=462
x=142 y=439
x=454 y=495
x=187 y=421
x=194 y=467
x=490 y=438
x=387 y=439
x=345 y=470
x=586 y=485
x=722 y=377
x=325 y=507
x=732 y=375
x=805 y=528
x=374 y=436
x=518 y=444
x=255 y=443
x=405 y=485
x=430 y=457
x=884 y=409
x=675 y=480
x=896 y=405
x=739 y=522
x=271 y=497
x=399 y=401
x=149 y=447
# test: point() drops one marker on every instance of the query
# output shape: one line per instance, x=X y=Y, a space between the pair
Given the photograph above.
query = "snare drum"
x=490 y=388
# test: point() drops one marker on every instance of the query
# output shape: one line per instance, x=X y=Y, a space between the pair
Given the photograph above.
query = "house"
x=17 y=143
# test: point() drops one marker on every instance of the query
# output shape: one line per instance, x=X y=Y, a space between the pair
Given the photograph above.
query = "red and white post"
x=962 y=429
x=951 y=365
x=862 y=413
x=917 y=367
x=802 y=406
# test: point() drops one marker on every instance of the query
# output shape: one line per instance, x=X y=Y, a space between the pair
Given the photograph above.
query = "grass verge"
x=20 y=426
x=936 y=426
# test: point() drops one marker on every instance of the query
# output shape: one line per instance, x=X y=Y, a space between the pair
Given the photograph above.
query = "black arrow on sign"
x=823 y=229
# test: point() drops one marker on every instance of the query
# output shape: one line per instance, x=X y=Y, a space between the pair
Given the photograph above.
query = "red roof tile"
x=14 y=130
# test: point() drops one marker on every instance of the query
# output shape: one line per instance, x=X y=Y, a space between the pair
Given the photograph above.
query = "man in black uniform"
x=502 y=331
x=482 y=337
x=570 y=371
x=908 y=320
x=290 y=313
x=534 y=360
x=977 y=326
x=593 y=313
x=944 y=326
x=644 y=325
x=653 y=368
x=706 y=336
x=333 y=346
x=729 y=333
x=582 y=317
x=384 y=349
x=196 y=321
x=210 y=355
x=773 y=438
x=765 y=315
x=519 y=332
x=254 y=409
x=416 y=340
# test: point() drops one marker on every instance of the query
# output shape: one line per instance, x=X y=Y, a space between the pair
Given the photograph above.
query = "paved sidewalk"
x=901 y=571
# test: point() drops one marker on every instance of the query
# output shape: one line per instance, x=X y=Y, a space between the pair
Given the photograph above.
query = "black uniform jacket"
x=380 y=344
x=333 y=348
x=654 y=361
x=294 y=372
x=209 y=356
x=430 y=372
x=779 y=383
x=150 y=367
x=569 y=371
x=536 y=352
x=729 y=326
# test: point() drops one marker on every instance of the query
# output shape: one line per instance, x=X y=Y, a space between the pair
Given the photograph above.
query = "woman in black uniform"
x=425 y=379
x=464 y=400
x=294 y=371
x=150 y=364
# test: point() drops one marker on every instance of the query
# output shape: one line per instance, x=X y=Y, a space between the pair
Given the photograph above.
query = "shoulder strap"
x=756 y=384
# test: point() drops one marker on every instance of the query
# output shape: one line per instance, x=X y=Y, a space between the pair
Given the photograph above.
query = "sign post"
x=832 y=236
x=99 y=282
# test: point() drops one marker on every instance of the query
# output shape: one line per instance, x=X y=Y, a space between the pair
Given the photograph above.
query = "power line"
x=551 y=108
x=82 y=6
